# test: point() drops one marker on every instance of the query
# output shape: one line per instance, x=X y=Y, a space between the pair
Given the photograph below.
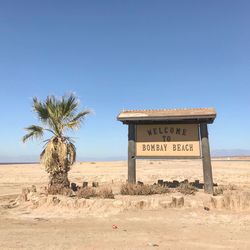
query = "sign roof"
x=167 y=115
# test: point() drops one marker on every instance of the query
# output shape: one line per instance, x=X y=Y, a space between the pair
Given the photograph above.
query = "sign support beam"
x=206 y=160
x=131 y=153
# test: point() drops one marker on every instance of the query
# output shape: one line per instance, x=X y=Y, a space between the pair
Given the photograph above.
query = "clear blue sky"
x=124 y=54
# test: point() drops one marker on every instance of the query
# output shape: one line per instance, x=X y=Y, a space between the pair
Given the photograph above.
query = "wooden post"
x=206 y=160
x=131 y=153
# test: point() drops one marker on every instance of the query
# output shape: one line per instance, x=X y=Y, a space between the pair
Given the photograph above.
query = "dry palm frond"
x=71 y=153
x=58 y=155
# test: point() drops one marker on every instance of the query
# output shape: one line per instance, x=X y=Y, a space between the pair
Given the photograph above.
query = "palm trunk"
x=59 y=179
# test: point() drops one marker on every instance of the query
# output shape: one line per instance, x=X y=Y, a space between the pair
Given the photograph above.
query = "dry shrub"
x=218 y=191
x=133 y=189
x=106 y=193
x=59 y=189
x=186 y=188
x=86 y=192
x=221 y=189
x=230 y=187
x=160 y=189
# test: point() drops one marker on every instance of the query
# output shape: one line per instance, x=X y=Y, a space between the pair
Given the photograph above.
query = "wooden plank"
x=168 y=157
x=131 y=153
x=206 y=160
x=168 y=121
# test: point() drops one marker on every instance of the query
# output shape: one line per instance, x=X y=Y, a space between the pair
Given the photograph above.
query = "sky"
x=114 y=55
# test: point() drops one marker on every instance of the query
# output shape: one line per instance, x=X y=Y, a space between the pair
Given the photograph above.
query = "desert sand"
x=142 y=222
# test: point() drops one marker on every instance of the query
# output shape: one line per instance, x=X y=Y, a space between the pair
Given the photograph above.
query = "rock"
x=176 y=183
x=74 y=186
x=197 y=184
x=12 y=204
x=160 y=182
x=153 y=244
x=165 y=183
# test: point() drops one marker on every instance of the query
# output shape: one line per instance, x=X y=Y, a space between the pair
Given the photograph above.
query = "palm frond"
x=49 y=157
x=70 y=104
x=34 y=132
x=54 y=121
x=41 y=110
x=58 y=155
x=77 y=119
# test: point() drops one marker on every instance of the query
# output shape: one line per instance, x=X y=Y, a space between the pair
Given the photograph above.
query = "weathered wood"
x=95 y=184
x=84 y=184
x=131 y=154
x=168 y=157
x=74 y=186
x=189 y=121
x=206 y=160
x=168 y=115
x=160 y=182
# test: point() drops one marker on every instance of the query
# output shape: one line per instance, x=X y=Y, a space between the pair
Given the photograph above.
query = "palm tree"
x=59 y=153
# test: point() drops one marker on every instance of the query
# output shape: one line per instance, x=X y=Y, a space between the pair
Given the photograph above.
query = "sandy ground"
x=189 y=227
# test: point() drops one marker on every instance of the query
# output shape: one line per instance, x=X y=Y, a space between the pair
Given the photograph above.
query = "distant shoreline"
x=15 y=163
x=214 y=158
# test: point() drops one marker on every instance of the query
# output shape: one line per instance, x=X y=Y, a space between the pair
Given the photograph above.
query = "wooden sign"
x=170 y=140
x=169 y=133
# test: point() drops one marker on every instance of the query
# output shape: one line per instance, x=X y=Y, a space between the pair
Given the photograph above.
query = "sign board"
x=169 y=140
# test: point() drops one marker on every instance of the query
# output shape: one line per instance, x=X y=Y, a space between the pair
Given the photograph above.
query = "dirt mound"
x=58 y=204
x=31 y=202
x=231 y=200
x=38 y=203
